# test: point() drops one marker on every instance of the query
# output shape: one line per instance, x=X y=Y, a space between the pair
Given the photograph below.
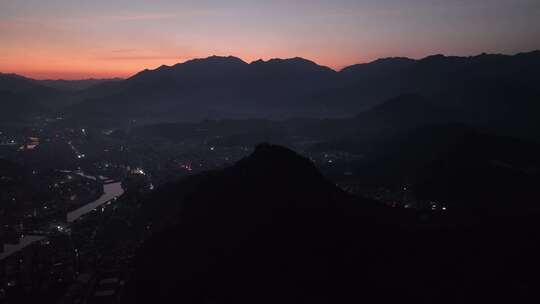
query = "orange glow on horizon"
x=79 y=68
x=44 y=69
x=68 y=67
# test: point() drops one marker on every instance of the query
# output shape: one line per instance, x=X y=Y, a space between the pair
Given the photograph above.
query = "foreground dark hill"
x=271 y=229
x=263 y=229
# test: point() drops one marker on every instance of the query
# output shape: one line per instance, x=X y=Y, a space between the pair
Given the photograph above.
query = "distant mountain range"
x=484 y=89
x=14 y=82
x=22 y=97
x=75 y=85
x=215 y=87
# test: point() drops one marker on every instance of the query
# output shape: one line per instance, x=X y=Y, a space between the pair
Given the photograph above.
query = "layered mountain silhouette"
x=75 y=85
x=227 y=87
x=490 y=91
x=405 y=112
x=21 y=97
x=272 y=229
x=215 y=87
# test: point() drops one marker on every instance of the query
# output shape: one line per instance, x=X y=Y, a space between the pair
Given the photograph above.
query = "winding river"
x=110 y=191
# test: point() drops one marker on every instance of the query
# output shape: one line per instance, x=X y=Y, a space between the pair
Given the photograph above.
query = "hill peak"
x=275 y=160
x=294 y=62
x=216 y=59
x=385 y=63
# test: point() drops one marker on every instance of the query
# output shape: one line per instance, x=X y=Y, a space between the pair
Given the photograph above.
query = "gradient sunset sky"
x=73 y=39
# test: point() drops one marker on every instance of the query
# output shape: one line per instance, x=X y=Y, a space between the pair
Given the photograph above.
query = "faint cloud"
x=139 y=16
x=123 y=51
x=136 y=57
x=133 y=16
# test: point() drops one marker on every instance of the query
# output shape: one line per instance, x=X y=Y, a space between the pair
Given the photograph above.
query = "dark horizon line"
x=276 y=59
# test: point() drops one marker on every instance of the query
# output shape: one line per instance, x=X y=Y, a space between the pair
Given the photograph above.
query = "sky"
x=73 y=39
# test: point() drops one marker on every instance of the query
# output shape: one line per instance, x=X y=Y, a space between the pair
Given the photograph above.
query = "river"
x=24 y=241
x=110 y=191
